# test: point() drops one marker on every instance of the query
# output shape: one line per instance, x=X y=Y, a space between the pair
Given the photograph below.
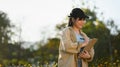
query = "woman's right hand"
x=86 y=39
x=85 y=42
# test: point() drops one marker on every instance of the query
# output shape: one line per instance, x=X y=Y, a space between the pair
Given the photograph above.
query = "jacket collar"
x=72 y=34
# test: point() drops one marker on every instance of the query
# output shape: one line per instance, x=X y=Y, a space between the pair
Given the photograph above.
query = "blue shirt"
x=80 y=39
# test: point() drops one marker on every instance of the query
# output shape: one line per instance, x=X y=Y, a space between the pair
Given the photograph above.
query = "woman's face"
x=79 y=23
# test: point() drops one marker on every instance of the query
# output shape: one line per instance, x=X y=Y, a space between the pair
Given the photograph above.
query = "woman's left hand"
x=84 y=55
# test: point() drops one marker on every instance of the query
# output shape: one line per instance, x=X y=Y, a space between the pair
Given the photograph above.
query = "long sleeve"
x=67 y=44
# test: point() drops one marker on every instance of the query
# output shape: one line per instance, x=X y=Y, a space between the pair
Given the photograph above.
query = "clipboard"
x=90 y=44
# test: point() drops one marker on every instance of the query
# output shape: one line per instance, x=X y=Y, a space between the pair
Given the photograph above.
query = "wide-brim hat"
x=78 y=13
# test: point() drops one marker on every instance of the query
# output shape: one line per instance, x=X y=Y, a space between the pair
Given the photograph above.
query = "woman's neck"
x=76 y=29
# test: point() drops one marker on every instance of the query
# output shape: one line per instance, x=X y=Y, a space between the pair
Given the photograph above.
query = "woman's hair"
x=70 y=22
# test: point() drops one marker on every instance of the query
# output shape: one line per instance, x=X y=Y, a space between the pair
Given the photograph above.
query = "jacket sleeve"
x=67 y=44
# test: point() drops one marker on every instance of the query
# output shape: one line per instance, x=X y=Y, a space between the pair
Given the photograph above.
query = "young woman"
x=73 y=40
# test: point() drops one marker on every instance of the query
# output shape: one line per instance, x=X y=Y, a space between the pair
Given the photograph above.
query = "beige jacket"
x=68 y=49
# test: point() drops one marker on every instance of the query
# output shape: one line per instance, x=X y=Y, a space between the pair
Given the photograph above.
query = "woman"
x=73 y=40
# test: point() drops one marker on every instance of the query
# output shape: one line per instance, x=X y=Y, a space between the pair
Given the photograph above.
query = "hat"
x=78 y=13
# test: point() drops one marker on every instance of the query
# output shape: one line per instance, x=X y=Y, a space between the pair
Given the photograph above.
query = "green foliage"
x=61 y=26
x=48 y=52
x=10 y=53
x=5 y=35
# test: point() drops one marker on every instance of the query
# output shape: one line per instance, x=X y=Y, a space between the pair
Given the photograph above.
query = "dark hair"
x=70 y=22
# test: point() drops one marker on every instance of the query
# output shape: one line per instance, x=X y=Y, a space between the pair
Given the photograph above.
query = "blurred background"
x=30 y=31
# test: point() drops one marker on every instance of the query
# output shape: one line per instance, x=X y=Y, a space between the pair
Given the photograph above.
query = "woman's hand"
x=85 y=42
x=86 y=39
x=84 y=55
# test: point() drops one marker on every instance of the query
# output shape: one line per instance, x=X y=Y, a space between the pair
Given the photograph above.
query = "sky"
x=38 y=17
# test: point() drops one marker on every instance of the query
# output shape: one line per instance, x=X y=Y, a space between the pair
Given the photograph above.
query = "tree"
x=48 y=52
x=5 y=35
